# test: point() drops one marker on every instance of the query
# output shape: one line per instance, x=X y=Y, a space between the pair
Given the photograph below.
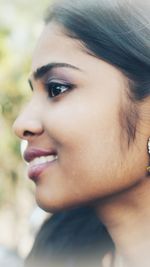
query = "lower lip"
x=34 y=172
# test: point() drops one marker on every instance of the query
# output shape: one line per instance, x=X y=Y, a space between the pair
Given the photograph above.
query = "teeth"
x=42 y=160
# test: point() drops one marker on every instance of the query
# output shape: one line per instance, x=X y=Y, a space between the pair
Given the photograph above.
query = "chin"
x=55 y=205
x=58 y=205
x=49 y=208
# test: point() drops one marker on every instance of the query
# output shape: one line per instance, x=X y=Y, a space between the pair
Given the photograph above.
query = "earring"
x=148 y=147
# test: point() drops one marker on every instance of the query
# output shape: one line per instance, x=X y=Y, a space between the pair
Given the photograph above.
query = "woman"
x=88 y=122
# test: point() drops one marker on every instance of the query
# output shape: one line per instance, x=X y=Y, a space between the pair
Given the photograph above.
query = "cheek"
x=87 y=135
x=92 y=164
x=87 y=147
x=90 y=160
x=78 y=115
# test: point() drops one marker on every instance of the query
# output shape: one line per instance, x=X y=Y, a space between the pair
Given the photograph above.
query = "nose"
x=27 y=126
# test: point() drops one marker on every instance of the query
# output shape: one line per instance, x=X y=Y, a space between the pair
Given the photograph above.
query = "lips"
x=32 y=153
x=39 y=160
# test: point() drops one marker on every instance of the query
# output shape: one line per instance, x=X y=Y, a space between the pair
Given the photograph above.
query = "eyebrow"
x=40 y=72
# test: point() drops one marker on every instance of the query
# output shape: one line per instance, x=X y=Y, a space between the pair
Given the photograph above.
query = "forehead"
x=54 y=46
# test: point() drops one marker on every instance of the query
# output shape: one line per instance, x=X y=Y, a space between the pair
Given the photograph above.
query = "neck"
x=127 y=218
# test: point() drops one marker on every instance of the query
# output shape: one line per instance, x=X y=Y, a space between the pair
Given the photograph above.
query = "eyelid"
x=57 y=80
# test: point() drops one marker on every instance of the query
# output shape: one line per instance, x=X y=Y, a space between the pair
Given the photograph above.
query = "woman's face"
x=80 y=125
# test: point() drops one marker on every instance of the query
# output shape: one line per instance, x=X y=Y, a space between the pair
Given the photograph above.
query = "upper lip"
x=32 y=153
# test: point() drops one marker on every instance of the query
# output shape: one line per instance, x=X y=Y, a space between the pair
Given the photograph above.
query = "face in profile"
x=76 y=147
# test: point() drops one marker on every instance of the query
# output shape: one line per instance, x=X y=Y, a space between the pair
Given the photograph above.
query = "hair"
x=117 y=32
x=71 y=238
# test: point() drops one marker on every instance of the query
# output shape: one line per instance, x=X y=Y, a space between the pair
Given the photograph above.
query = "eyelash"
x=55 y=89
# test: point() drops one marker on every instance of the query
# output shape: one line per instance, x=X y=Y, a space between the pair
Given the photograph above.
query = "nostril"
x=28 y=133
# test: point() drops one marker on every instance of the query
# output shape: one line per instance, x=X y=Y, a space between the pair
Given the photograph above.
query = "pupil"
x=56 y=90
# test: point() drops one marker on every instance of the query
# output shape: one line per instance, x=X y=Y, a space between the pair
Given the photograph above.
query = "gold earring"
x=148 y=147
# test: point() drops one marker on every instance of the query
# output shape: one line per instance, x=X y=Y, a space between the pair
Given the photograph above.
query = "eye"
x=56 y=88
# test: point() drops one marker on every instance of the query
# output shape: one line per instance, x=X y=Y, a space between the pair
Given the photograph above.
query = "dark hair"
x=74 y=238
x=117 y=32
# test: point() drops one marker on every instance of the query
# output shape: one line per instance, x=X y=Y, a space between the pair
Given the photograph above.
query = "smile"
x=39 y=165
x=39 y=160
x=42 y=160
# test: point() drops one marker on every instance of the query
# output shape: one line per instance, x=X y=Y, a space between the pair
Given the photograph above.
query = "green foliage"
x=20 y=24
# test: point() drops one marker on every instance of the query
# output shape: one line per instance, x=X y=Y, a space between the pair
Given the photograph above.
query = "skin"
x=95 y=164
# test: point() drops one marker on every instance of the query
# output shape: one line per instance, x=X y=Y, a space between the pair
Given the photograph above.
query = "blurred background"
x=20 y=25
